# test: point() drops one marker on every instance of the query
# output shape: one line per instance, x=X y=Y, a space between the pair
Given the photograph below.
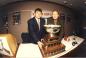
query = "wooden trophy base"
x=52 y=46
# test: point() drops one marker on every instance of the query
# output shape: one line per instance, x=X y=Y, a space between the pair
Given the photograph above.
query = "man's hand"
x=40 y=44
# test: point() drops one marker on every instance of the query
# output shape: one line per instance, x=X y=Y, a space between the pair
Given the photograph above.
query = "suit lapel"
x=41 y=23
x=36 y=24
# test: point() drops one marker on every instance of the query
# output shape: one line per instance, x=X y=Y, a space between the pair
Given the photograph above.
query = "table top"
x=32 y=50
x=28 y=50
x=69 y=46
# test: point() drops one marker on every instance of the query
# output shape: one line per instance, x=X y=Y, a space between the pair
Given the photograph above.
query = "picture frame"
x=16 y=18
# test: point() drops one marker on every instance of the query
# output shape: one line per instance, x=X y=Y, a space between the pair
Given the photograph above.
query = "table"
x=30 y=50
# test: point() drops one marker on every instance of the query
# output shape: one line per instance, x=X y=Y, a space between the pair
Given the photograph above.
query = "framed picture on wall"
x=16 y=18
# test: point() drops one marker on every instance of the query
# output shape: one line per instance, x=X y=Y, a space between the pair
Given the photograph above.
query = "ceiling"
x=79 y=5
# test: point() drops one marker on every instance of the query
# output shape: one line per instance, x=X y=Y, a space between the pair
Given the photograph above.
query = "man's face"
x=55 y=15
x=38 y=14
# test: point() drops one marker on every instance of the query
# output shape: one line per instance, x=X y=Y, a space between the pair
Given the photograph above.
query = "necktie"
x=39 y=23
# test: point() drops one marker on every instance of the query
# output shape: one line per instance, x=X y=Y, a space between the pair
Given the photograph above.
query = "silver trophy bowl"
x=52 y=29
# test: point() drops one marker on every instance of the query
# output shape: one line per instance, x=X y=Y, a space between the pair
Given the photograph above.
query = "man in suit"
x=36 y=27
x=55 y=19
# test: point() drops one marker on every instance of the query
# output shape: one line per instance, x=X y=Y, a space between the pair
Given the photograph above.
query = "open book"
x=8 y=45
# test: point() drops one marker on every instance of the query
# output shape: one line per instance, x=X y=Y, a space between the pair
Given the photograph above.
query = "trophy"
x=51 y=43
x=52 y=29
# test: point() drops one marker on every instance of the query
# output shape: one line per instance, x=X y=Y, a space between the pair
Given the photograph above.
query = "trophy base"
x=52 y=46
x=51 y=51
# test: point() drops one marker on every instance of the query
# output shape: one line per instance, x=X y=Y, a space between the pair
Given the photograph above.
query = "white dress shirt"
x=38 y=21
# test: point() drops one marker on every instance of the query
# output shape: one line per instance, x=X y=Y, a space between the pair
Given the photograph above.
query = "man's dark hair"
x=38 y=9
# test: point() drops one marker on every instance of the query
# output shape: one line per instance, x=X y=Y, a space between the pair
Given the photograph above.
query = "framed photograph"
x=16 y=18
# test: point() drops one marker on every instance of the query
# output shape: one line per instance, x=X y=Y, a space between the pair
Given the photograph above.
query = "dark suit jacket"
x=50 y=20
x=35 y=34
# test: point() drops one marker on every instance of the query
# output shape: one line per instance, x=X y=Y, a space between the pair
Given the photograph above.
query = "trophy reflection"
x=51 y=43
